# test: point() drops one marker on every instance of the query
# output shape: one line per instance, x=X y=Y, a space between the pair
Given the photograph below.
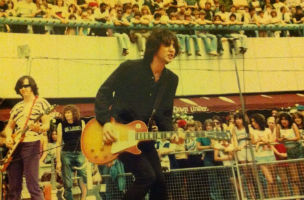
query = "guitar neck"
x=53 y=173
x=220 y=135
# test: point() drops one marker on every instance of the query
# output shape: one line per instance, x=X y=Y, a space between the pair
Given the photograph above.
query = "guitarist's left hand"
x=178 y=138
x=35 y=127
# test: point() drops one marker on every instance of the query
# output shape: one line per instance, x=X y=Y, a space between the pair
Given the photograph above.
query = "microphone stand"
x=254 y=165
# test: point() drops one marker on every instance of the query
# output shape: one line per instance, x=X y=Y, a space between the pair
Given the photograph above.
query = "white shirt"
x=25 y=9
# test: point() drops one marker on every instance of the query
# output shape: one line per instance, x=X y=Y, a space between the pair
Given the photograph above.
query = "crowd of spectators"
x=278 y=137
x=147 y=13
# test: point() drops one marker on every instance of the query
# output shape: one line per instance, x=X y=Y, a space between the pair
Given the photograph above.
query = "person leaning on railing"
x=264 y=152
x=208 y=160
x=288 y=133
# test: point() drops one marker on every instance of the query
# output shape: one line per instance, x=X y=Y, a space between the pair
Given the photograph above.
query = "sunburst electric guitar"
x=128 y=136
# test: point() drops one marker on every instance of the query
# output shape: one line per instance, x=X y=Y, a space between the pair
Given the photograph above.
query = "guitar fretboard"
x=220 y=135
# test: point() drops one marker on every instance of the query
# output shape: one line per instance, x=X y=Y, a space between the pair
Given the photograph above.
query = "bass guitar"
x=128 y=136
x=18 y=138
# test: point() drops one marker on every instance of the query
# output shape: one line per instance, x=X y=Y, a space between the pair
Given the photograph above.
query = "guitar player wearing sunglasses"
x=131 y=93
x=23 y=136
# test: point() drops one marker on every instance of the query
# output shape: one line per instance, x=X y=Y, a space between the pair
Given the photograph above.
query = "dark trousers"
x=148 y=174
x=25 y=161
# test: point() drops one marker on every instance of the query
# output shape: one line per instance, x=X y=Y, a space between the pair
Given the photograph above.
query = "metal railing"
x=95 y=24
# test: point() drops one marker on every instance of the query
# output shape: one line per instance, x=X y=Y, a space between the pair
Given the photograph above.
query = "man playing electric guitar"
x=26 y=156
x=129 y=94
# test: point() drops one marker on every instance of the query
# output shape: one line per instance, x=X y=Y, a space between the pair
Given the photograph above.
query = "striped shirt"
x=19 y=115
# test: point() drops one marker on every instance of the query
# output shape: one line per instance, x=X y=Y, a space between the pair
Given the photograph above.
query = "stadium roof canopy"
x=208 y=104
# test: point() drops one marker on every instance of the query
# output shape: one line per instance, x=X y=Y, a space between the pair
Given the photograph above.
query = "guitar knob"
x=138 y=126
x=92 y=150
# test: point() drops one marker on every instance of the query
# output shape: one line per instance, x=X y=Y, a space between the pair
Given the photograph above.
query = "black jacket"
x=129 y=94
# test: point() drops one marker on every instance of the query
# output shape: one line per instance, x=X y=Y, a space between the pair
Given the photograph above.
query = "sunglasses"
x=25 y=86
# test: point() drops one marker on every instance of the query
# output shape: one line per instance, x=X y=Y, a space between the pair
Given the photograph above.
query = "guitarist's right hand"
x=108 y=133
x=58 y=167
x=9 y=142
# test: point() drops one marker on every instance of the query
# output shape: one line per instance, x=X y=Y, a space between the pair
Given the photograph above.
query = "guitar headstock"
x=50 y=109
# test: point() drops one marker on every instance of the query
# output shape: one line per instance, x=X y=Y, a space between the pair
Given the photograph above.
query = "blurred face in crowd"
x=252 y=12
x=59 y=2
x=103 y=8
x=232 y=18
x=268 y=8
x=209 y=127
x=231 y=120
x=68 y=115
x=217 y=124
x=254 y=124
x=284 y=122
x=202 y=16
x=222 y=8
x=2 y=2
x=173 y=16
x=129 y=10
x=191 y=127
x=271 y=122
x=273 y=14
x=261 y=14
x=144 y=11
x=299 y=11
x=188 y=18
x=135 y=9
x=274 y=113
x=10 y=5
x=233 y=9
x=199 y=127
x=293 y=10
x=54 y=135
x=119 y=14
x=196 y=15
x=298 y=120
x=217 y=18
x=238 y=122
x=207 y=6
x=182 y=9
x=137 y=17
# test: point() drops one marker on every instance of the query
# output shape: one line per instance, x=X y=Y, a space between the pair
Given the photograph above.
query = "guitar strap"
x=158 y=98
x=28 y=117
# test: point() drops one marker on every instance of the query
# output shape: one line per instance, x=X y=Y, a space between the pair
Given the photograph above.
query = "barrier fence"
x=228 y=182
x=281 y=179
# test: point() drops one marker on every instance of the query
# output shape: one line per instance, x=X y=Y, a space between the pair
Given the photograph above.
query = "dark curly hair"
x=286 y=116
x=158 y=37
x=260 y=120
x=32 y=84
x=74 y=110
